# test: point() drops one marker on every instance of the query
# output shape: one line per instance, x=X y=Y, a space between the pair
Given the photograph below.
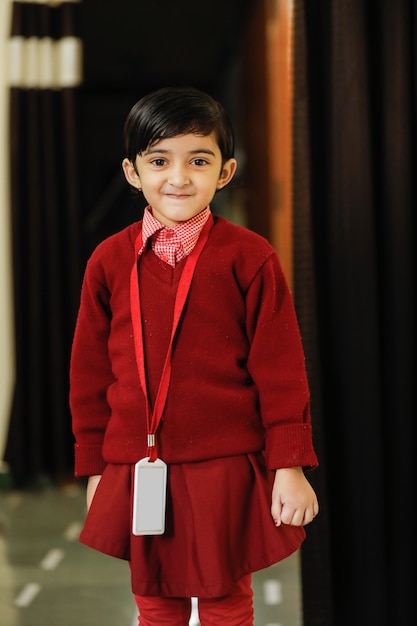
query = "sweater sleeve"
x=276 y=364
x=90 y=373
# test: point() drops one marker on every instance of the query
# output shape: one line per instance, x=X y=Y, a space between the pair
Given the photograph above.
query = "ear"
x=131 y=174
x=227 y=173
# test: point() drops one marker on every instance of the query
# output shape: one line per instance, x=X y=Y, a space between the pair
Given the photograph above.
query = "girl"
x=188 y=386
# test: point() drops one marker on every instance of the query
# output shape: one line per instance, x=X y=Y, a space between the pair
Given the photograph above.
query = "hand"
x=92 y=485
x=294 y=501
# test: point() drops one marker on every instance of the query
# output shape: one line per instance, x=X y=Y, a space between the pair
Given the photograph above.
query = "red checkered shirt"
x=171 y=244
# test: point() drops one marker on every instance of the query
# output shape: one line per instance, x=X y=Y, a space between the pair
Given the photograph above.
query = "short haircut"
x=174 y=111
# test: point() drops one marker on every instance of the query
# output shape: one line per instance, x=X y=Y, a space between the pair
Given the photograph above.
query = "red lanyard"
x=154 y=417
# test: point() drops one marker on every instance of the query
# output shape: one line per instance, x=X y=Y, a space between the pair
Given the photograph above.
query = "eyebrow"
x=162 y=151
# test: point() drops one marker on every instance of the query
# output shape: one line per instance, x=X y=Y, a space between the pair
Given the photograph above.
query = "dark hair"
x=173 y=111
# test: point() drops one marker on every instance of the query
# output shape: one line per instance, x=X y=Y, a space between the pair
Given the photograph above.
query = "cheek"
x=152 y=182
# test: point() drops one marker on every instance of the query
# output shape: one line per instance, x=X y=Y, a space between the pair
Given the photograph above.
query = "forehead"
x=184 y=144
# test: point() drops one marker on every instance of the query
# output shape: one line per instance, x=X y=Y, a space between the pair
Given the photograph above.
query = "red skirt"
x=218 y=527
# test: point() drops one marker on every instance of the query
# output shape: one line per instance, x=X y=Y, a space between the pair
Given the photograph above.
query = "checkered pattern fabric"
x=171 y=244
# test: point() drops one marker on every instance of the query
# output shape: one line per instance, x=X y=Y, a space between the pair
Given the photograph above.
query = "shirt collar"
x=186 y=232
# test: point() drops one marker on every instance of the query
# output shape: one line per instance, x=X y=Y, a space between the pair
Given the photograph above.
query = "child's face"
x=180 y=175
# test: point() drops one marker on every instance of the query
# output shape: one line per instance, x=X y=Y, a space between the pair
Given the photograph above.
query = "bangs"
x=196 y=127
x=171 y=112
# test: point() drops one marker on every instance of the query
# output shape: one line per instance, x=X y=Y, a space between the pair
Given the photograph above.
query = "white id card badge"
x=149 y=497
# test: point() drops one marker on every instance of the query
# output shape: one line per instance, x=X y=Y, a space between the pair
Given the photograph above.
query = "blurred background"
x=322 y=94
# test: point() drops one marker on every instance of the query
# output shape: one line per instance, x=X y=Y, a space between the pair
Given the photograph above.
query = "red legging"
x=236 y=609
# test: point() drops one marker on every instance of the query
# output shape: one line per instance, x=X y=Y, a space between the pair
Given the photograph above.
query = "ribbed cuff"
x=290 y=446
x=88 y=460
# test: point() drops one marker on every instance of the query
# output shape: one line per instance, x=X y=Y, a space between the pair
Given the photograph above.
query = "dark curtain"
x=46 y=259
x=316 y=571
x=355 y=155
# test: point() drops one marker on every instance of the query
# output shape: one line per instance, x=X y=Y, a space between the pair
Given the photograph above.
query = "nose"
x=178 y=176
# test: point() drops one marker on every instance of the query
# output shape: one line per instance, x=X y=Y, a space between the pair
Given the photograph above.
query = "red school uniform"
x=237 y=408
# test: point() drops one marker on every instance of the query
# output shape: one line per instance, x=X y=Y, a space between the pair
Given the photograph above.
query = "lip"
x=178 y=196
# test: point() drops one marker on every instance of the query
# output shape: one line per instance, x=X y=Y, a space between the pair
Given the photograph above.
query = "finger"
x=291 y=516
x=277 y=519
x=310 y=514
x=276 y=514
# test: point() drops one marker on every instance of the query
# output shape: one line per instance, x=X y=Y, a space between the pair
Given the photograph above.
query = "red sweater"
x=238 y=380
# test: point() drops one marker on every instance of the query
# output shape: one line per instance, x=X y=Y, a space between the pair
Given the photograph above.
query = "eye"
x=199 y=162
x=159 y=162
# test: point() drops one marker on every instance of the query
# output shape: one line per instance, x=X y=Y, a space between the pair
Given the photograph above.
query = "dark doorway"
x=131 y=48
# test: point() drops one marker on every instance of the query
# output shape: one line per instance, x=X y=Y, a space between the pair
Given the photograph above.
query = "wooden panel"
x=279 y=72
x=267 y=134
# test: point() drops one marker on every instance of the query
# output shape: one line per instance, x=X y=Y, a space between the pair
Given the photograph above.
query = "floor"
x=48 y=578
